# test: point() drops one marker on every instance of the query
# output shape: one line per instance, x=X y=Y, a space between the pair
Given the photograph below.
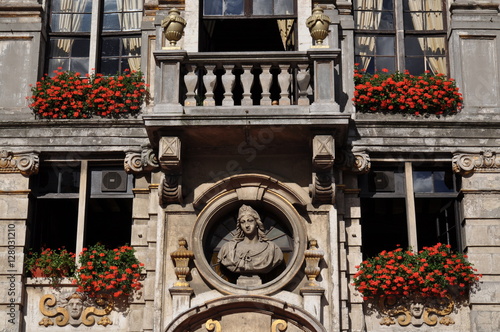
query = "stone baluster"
x=190 y=79
x=209 y=81
x=228 y=80
x=284 y=83
x=246 y=82
x=303 y=79
x=266 y=80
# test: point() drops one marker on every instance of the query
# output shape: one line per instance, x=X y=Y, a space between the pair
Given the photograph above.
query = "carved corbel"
x=467 y=163
x=26 y=163
x=170 y=189
x=353 y=161
x=143 y=160
x=323 y=186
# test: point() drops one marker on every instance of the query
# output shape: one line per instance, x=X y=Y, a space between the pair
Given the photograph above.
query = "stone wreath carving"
x=416 y=310
x=75 y=310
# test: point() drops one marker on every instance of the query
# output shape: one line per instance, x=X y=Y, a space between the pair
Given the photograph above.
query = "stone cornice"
x=485 y=161
x=26 y=163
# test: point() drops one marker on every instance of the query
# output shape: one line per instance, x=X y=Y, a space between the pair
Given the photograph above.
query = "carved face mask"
x=248 y=225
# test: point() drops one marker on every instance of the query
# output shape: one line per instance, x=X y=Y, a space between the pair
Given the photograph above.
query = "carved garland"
x=486 y=161
x=26 y=163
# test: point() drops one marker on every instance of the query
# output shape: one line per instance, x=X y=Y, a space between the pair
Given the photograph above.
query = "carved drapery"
x=26 y=163
x=170 y=189
x=416 y=311
x=353 y=161
x=75 y=310
x=143 y=160
x=323 y=186
x=485 y=161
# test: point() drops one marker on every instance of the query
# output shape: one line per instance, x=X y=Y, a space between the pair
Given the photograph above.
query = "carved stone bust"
x=249 y=253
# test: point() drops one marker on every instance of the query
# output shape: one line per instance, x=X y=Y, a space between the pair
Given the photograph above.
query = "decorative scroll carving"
x=323 y=188
x=416 y=310
x=144 y=160
x=213 y=325
x=26 y=163
x=313 y=256
x=486 y=161
x=279 y=325
x=75 y=310
x=353 y=161
x=182 y=257
x=170 y=190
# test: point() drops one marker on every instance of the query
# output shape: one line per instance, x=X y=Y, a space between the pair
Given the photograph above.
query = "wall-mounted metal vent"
x=114 y=181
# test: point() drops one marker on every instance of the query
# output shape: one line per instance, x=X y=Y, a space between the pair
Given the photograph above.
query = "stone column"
x=15 y=169
x=481 y=231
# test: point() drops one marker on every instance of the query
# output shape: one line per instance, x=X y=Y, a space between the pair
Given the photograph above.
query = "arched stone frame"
x=235 y=304
x=230 y=193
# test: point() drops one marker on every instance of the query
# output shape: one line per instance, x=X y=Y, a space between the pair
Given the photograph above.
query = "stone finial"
x=313 y=256
x=143 y=160
x=486 y=161
x=182 y=257
x=319 y=25
x=26 y=163
x=173 y=27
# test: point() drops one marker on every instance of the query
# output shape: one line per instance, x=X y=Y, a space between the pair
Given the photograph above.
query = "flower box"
x=404 y=93
x=68 y=95
x=54 y=264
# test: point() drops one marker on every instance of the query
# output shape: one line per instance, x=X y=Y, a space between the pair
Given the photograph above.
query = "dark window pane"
x=60 y=47
x=125 y=64
x=110 y=6
x=384 y=46
x=385 y=62
x=131 y=21
x=80 y=65
x=212 y=7
x=386 y=21
x=443 y=182
x=436 y=221
x=388 y=5
x=413 y=46
x=109 y=66
x=81 y=22
x=111 y=46
x=262 y=7
x=131 y=46
x=415 y=65
x=80 y=48
x=423 y=182
x=56 y=63
x=283 y=7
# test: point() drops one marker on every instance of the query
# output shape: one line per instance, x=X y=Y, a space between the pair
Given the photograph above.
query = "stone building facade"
x=245 y=111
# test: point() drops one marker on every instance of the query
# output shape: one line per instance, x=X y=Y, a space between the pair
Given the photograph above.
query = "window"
x=401 y=35
x=416 y=214
x=248 y=25
x=100 y=34
x=80 y=204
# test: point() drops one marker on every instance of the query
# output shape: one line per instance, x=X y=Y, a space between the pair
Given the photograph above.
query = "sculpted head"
x=75 y=305
x=248 y=223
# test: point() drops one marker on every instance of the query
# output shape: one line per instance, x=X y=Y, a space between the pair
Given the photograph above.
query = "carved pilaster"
x=353 y=161
x=323 y=187
x=26 y=163
x=466 y=163
x=170 y=189
x=143 y=160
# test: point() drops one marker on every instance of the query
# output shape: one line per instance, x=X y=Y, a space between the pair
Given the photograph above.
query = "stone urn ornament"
x=173 y=27
x=318 y=24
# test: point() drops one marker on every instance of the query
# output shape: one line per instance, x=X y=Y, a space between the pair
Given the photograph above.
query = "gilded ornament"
x=319 y=25
x=173 y=27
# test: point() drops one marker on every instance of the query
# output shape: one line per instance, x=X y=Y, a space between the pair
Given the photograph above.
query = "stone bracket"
x=26 y=163
x=142 y=160
x=353 y=161
x=170 y=190
x=323 y=183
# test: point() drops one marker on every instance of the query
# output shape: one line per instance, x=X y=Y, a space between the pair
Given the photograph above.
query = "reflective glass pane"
x=388 y=63
x=384 y=45
x=110 y=6
x=434 y=21
x=56 y=5
x=60 y=47
x=443 y=182
x=80 y=65
x=111 y=22
x=433 y=5
x=388 y=5
x=262 y=7
x=131 y=5
x=435 y=46
x=212 y=7
x=111 y=46
x=81 y=22
x=131 y=21
x=60 y=22
x=233 y=7
x=283 y=7
x=365 y=45
x=413 y=46
x=423 y=182
x=56 y=63
x=125 y=64
x=80 y=48
x=131 y=46
x=413 y=21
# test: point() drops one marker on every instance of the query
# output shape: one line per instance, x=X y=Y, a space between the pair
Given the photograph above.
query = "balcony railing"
x=244 y=79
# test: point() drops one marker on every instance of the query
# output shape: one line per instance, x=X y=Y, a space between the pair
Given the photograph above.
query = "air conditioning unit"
x=111 y=182
x=382 y=181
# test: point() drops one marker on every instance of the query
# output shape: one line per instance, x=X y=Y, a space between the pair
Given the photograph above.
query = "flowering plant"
x=51 y=263
x=116 y=271
x=404 y=93
x=69 y=96
x=430 y=272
